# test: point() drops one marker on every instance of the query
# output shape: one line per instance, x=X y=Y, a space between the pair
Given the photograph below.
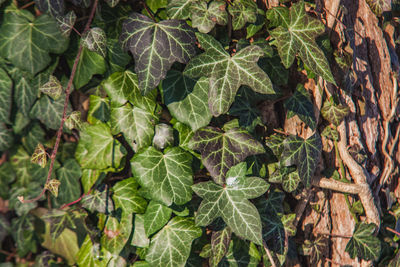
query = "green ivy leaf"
x=98 y=201
x=97 y=149
x=300 y=104
x=90 y=63
x=296 y=34
x=99 y=110
x=123 y=87
x=179 y=9
x=127 y=198
x=27 y=41
x=274 y=68
x=363 y=243
x=6 y=137
x=156 y=216
x=222 y=150
x=49 y=111
x=91 y=254
x=136 y=124
x=52 y=88
x=74 y=121
x=139 y=238
x=304 y=153
x=290 y=179
x=379 y=6
x=53 y=7
x=242 y=11
x=156 y=46
x=231 y=203
x=25 y=94
x=228 y=73
x=204 y=17
x=220 y=241
x=278 y=16
x=171 y=246
x=23 y=232
x=66 y=23
x=69 y=175
x=186 y=99
x=116 y=233
x=39 y=156
x=240 y=254
x=58 y=221
x=163 y=137
x=167 y=176
x=334 y=113
x=95 y=40
x=5 y=96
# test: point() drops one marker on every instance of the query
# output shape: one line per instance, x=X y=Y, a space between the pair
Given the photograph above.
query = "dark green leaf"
x=220 y=241
x=222 y=150
x=167 y=176
x=23 y=232
x=278 y=16
x=300 y=104
x=127 y=198
x=274 y=68
x=364 y=244
x=230 y=202
x=204 y=17
x=53 y=7
x=171 y=246
x=304 y=153
x=6 y=137
x=69 y=175
x=334 y=113
x=155 y=217
x=156 y=46
x=27 y=41
x=5 y=97
x=242 y=11
x=97 y=149
x=296 y=34
x=228 y=73
x=25 y=94
x=66 y=22
x=186 y=99
x=98 y=201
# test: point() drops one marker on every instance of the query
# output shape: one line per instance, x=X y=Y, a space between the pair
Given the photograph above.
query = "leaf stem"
x=75 y=201
x=27 y=5
x=149 y=11
x=393 y=231
x=67 y=93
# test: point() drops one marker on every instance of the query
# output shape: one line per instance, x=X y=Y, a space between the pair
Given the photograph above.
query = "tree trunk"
x=369 y=89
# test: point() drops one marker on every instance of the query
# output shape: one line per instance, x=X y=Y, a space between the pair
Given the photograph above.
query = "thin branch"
x=75 y=201
x=67 y=93
x=149 y=11
x=335 y=185
x=271 y=259
x=393 y=231
x=28 y=5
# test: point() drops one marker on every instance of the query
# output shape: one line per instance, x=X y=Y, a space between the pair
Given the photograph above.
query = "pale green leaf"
x=155 y=217
x=6 y=137
x=99 y=110
x=204 y=16
x=242 y=11
x=304 y=153
x=186 y=99
x=171 y=246
x=97 y=149
x=179 y=9
x=363 y=243
x=27 y=42
x=231 y=203
x=95 y=40
x=222 y=150
x=127 y=198
x=156 y=46
x=58 y=221
x=296 y=35
x=136 y=124
x=163 y=137
x=52 y=88
x=228 y=73
x=166 y=175
x=98 y=201
x=139 y=238
x=116 y=233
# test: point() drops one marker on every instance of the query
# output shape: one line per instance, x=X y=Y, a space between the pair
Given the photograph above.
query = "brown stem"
x=75 y=201
x=271 y=259
x=393 y=231
x=67 y=93
x=149 y=11
x=28 y=5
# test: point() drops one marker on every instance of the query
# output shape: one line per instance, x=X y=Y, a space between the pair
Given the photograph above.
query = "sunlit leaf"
x=228 y=73
x=364 y=244
x=334 y=113
x=166 y=175
x=139 y=238
x=52 y=88
x=163 y=136
x=95 y=40
x=171 y=246
x=222 y=150
x=179 y=9
x=53 y=186
x=296 y=34
x=155 y=217
x=98 y=201
x=127 y=198
x=187 y=99
x=231 y=203
x=156 y=46
x=116 y=232
x=58 y=221
x=204 y=16
x=73 y=120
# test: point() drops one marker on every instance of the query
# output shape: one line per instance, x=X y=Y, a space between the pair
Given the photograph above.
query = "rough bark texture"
x=371 y=126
